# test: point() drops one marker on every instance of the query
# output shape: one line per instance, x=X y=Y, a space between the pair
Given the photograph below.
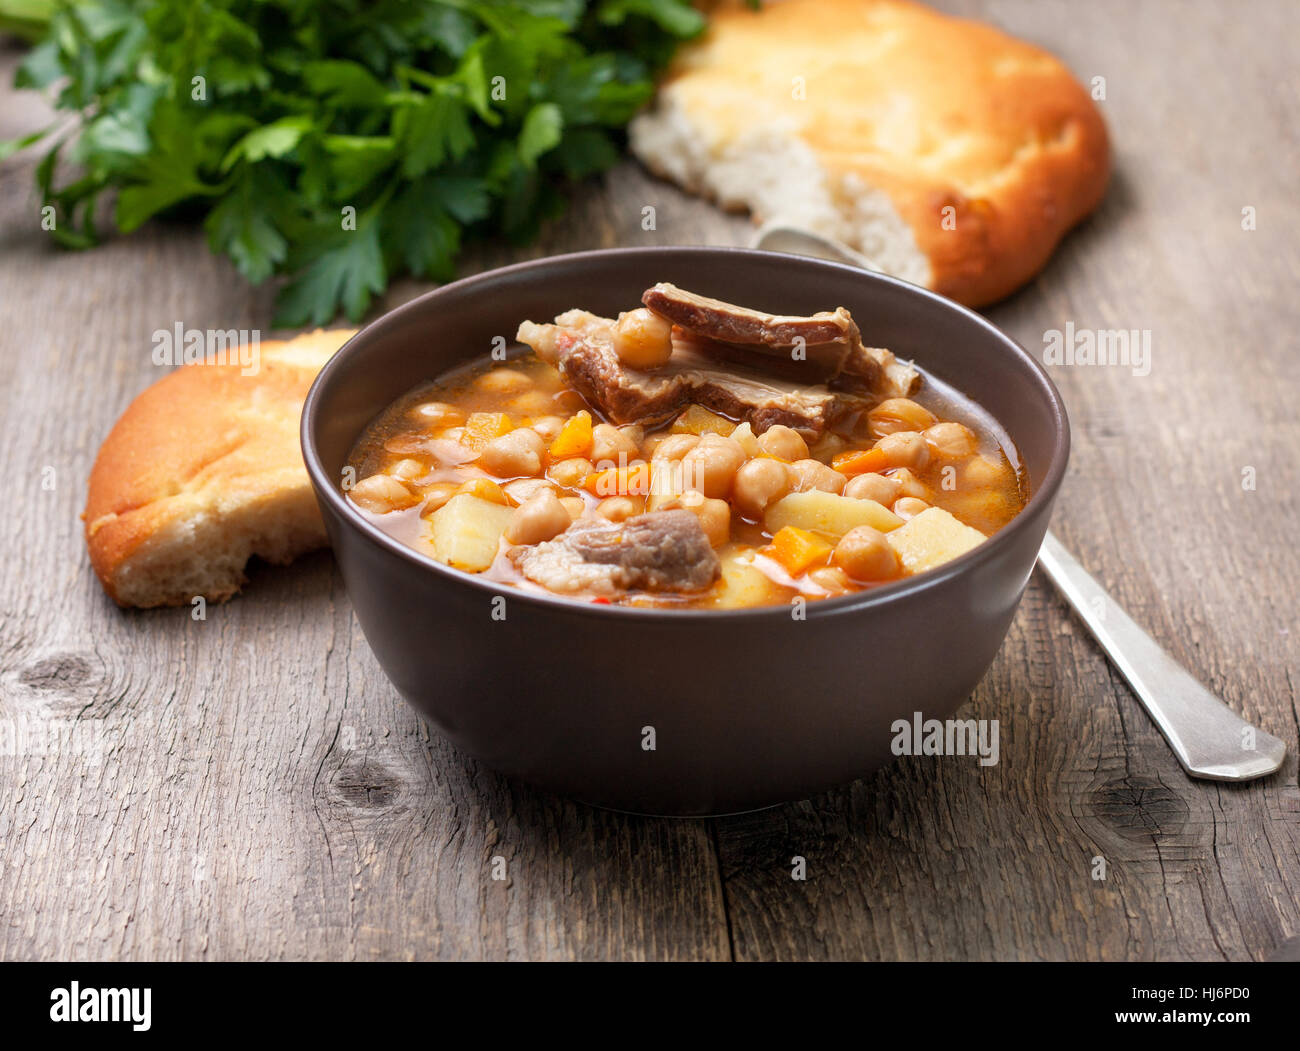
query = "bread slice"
x=203 y=471
x=946 y=152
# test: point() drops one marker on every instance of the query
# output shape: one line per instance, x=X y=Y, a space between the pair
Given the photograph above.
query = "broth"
x=431 y=443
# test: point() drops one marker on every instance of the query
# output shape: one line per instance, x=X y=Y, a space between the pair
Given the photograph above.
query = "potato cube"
x=466 y=531
x=699 y=420
x=932 y=538
x=829 y=514
x=742 y=585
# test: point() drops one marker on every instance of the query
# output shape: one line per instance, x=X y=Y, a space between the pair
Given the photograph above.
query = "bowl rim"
x=870 y=598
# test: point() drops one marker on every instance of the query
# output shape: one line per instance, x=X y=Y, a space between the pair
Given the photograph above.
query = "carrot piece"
x=482 y=427
x=860 y=461
x=799 y=550
x=484 y=489
x=632 y=480
x=574 y=438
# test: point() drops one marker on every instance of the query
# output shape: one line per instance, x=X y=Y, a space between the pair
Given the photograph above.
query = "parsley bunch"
x=340 y=142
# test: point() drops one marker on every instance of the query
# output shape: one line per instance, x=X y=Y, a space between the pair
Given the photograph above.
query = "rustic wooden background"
x=250 y=787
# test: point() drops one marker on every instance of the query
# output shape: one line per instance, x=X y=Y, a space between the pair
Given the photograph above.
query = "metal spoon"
x=1209 y=738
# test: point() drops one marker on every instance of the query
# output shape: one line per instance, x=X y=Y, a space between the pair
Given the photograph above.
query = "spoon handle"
x=1210 y=740
x=1207 y=736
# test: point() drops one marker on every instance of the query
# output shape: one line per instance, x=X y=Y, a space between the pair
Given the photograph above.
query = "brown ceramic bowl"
x=749 y=707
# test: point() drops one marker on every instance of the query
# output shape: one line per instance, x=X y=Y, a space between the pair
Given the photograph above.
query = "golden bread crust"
x=207 y=445
x=937 y=112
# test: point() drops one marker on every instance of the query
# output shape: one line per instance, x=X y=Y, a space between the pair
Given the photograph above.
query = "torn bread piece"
x=947 y=152
x=204 y=471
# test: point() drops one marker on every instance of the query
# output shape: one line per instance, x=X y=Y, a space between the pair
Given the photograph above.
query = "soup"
x=689 y=454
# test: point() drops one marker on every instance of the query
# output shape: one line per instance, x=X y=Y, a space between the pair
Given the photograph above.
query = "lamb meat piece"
x=581 y=346
x=827 y=337
x=659 y=551
x=737 y=362
x=831 y=344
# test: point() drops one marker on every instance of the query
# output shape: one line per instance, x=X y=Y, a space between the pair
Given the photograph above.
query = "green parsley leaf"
x=345 y=268
x=543 y=128
x=338 y=143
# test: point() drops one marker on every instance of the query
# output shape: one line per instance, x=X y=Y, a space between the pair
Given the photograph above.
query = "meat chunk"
x=829 y=342
x=737 y=362
x=659 y=551
x=581 y=346
x=827 y=335
x=651 y=396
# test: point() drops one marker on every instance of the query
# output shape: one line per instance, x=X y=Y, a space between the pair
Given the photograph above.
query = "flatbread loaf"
x=947 y=152
x=203 y=471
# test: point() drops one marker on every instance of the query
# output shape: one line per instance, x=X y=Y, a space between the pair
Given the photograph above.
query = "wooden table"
x=251 y=787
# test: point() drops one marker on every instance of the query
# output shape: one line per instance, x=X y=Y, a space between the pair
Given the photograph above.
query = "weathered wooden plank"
x=250 y=787
x=936 y=859
x=262 y=791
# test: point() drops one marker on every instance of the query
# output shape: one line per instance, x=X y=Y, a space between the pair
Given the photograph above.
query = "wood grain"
x=249 y=786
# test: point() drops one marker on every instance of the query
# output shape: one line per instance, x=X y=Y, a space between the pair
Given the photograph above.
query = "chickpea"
x=502 y=380
x=712 y=464
x=910 y=485
x=532 y=403
x=518 y=453
x=408 y=470
x=483 y=488
x=540 y=517
x=951 y=441
x=864 y=554
x=665 y=483
x=650 y=443
x=904 y=449
x=642 y=339
x=909 y=507
x=575 y=505
x=675 y=446
x=568 y=402
x=570 y=473
x=618 y=508
x=878 y=487
x=549 y=427
x=785 y=443
x=542 y=338
x=813 y=474
x=831 y=579
x=608 y=441
x=744 y=434
x=439 y=414
x=827 y=447
x=436 y=495
x=984 y=473
x=759 y=484
x=521 y=490
x=714 y=515
x=381 y=493
x=548 y=378
x=407 y=444
x=898 y=414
